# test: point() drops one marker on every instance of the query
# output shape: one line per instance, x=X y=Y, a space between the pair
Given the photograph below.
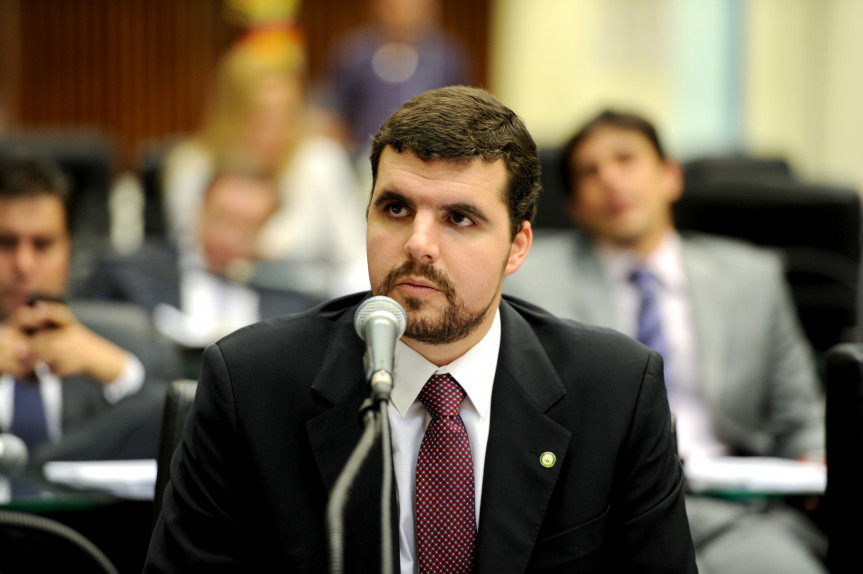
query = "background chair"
x=87 y=159
x=178 y=401
x=152 y=156
x=815 y=228
x=843 y=499
x=552 y=210
x=705 y=170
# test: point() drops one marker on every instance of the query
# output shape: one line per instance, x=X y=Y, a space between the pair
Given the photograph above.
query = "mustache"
x=430 y=272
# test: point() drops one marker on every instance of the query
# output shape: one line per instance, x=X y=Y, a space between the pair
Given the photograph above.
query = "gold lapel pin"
x=547 y=459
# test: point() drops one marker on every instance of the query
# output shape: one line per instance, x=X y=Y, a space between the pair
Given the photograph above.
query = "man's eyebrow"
x=387 y=196
x=466 y=208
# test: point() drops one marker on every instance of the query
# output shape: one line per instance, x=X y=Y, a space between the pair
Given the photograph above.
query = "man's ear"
x=519 y=248
x=674 y=177
x=573 y=208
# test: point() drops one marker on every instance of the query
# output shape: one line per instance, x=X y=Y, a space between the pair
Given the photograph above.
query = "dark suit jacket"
x=94 y=429
x=151 y=275
x=275 y=419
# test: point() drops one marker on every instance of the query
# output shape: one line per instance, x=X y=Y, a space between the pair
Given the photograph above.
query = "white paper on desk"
x=763 y=475
x=135 y=479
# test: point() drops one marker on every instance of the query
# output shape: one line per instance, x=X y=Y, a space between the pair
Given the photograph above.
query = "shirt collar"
x=474 y=371
x=664 y=262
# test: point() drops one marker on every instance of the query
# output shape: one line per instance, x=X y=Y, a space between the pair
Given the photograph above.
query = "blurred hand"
x=67 y=347
x=16 y=357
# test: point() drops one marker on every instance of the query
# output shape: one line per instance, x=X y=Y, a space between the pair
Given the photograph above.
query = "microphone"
x=13 y=454
x=380 y=322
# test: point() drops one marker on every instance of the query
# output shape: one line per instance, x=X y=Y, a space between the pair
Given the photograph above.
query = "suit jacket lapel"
x=707 y=292
x=591 y=301
x=516 y=486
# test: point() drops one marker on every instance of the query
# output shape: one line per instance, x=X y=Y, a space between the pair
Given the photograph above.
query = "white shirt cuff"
x=129 y=382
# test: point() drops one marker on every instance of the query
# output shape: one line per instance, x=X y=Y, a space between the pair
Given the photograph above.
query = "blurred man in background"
x=400 y=53
x=739 y=371
x=202 y=291
x=78 y=381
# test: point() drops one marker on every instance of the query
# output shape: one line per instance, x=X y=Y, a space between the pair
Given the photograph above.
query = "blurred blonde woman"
x=256 y=118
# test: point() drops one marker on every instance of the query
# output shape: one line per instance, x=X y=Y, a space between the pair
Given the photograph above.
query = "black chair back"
x=815 y=228
x=152 y=156
x=843 y=499
x=178 y=402
x=87 y=159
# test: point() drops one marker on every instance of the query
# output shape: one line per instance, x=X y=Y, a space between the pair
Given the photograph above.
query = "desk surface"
x=30 y=492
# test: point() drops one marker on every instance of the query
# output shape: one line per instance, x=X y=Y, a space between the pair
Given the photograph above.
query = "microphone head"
x=13 y=454
x=380 y=304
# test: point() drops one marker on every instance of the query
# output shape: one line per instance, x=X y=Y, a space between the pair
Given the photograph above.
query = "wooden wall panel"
x=140 y=69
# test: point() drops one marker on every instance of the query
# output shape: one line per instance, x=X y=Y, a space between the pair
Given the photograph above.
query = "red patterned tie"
x=445 y=517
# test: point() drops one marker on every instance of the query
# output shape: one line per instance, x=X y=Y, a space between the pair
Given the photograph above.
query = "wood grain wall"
x=140 y=69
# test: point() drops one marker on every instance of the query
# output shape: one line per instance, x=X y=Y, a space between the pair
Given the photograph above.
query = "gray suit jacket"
x=756 y=368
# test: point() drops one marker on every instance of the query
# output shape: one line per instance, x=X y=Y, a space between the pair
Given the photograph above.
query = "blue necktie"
x=649 y=322
x=28 y=415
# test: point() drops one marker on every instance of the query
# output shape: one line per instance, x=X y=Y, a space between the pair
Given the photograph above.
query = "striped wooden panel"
x=140 y=69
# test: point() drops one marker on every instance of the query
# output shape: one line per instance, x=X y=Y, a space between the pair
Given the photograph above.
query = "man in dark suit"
x=201 y=292
x=571 y=463
x=81 y=381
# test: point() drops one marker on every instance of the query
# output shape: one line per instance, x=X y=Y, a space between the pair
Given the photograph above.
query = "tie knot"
x=644 y=280
x=442 y=396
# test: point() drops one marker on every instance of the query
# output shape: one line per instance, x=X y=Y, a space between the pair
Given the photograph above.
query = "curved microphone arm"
x=341 y=490
x=43 y=524
x=386 y=491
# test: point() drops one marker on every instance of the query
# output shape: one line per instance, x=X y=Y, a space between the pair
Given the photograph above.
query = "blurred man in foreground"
x=520 y=442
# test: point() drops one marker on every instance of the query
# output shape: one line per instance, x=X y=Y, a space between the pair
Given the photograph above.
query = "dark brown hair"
x=461 y=124
x=608 y=118
x=26 y=176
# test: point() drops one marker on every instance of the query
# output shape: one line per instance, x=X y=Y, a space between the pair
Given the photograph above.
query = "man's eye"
x=462 y=220
x=585 y=172
x=396 y=210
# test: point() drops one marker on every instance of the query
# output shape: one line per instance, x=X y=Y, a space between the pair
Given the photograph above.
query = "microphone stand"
x=374 y=419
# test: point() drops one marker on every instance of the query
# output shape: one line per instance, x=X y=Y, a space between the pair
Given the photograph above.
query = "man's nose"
x=609 y=175
x=422 y=244
x=25 y=258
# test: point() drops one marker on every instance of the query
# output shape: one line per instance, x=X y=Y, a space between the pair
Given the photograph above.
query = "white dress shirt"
x=474 y=371
x=210 y=306
x=130 y=381
x=695 y=434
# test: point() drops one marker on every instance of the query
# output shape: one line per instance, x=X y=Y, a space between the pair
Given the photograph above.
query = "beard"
x=455 y=322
